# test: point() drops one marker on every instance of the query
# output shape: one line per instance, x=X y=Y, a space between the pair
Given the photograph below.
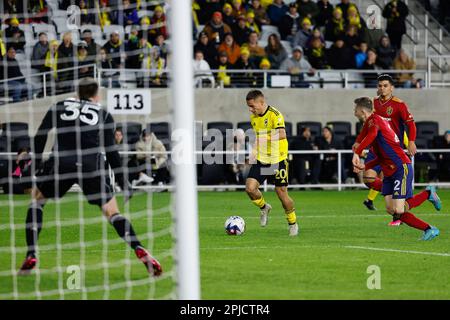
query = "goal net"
x=80 y=252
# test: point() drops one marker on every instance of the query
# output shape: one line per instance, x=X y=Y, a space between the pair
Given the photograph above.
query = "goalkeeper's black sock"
x=33 y=226
x=124 y=230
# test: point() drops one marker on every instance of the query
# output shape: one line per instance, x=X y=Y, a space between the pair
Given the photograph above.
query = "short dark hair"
x=364 y=102
x=385 y=77
x=254 y=94
x=87 y=88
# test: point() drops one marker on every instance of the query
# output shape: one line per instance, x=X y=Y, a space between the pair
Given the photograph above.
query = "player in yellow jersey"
x=271 y=151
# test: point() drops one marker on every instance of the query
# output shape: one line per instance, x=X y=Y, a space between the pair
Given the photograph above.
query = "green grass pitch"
x=339 y=239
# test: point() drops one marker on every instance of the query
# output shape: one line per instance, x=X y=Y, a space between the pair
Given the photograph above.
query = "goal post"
x=186 y=208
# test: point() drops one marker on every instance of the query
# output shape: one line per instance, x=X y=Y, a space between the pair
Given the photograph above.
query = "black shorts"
x=277 y=174
x=96 y=185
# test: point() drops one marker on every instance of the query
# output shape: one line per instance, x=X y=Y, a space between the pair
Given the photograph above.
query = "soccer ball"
x=235 y=226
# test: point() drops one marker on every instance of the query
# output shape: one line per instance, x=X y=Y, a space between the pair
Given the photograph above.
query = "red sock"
x=418 y=199
x=412 y=221
x=376 y=184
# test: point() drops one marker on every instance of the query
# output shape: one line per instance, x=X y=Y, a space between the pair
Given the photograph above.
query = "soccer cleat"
x=395 y=223
x=152 y=265
x=293 y=229
x=369 y=205
x=430 y=233
x=27 y=266
x=434 y=198
x=264 y=217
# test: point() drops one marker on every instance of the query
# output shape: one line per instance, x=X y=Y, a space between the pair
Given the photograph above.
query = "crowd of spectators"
x=296 y=38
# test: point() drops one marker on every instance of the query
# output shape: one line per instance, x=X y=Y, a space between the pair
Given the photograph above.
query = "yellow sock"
x=372 y=194
x=259 y=202
x=291 y=217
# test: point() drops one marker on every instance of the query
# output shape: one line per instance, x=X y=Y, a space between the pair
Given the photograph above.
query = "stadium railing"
x=323 y=78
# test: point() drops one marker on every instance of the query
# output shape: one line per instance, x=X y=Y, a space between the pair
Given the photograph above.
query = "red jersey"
x=397 y=113
x=384 y=143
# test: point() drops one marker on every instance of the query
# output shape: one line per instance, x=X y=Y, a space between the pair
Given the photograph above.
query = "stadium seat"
x=287 y=46
x=332 y=80
x=267 y=31
x=161 y=131
x=288 y=128
x=222 y=126
x=355 y=80
x=246 y=125
x=427 y=129
x=14 y=129
x=316 y=127
x=61 y=24
x=43 y=27
x=21 y=142
x=131 y=131
x=145 y=13
x=341 y=129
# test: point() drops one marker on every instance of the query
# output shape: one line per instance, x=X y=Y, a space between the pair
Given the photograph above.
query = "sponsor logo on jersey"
x=266 y=121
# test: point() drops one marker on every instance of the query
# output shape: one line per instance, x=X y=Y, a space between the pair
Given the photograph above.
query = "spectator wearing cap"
x=276 y=12
x=302 y=36
x=132 y=60
x=228 y=16
x=238 y=8
x=335 y=27
x=17 y=88
x=208 y=48
x=308 y=9
x=84 y=61
x=396 y=12
x=85 y=16
x=240 y=31
x=340 y=56
x=114 y=49
x=14 y=36
x=371 y=63
x=344 y=5
x=232 y=49
x=158 y=22
x=247 y=79
x=251 y=23
x=207 y=8
x=256 y=51
x=275 y=51
x=290 y=23
x=404 y=62
x=157 y=65
x=386 y=53
x=325 y=13
x=296 y=66
x=216 y=29
x=39 y=52
x=66 y=59
x=222 y=64
x=92 y=48
x=261 y=16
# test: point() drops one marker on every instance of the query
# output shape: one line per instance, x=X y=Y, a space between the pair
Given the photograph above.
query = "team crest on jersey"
x=389 y=110
x=370 y=122
x=266 y=121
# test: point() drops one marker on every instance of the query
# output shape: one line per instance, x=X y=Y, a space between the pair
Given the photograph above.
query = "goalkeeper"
x=84 y=133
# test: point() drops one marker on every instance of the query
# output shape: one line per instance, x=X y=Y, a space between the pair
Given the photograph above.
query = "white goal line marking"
x=440 y=254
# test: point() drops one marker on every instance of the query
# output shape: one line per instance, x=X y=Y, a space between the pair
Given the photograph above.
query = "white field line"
x=400 y=251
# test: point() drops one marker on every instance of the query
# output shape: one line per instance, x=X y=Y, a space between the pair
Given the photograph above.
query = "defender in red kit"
x=393 y=161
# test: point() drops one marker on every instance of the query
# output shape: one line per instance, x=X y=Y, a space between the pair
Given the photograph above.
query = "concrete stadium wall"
x=229 y=105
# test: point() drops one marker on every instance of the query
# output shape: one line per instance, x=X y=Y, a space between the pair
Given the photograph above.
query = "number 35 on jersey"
x=129 y=101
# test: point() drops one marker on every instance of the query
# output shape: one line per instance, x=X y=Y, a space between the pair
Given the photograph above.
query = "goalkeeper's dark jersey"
x=83 y=131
